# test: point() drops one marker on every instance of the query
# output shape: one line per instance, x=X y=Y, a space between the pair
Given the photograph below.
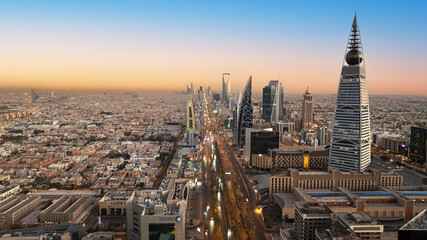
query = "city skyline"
x=141 y=120
x=136 y=45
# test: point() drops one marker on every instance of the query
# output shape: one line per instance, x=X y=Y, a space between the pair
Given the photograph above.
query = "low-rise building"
x=285 y=159
x=15 y=208
x=8 y=191
x=362 y=224
x=65 y=209
x=54 y=194
x=385 y=204
x=370 y=180
x=114 y=203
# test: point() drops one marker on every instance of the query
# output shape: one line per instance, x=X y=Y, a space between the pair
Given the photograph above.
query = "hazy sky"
x=165 y=45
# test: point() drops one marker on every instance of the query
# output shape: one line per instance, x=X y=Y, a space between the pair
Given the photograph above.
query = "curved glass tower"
x=245 y=116
x=226 y=88
x=350 y=145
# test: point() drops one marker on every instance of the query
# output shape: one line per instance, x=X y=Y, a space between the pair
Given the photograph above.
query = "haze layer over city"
x=146 y=120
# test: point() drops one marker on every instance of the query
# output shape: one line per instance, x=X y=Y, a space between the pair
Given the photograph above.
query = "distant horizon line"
x=168 y=91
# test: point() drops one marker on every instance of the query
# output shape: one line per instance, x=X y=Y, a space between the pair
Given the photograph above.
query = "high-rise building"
x=245 y=113
x=284 y=126
x=322 y=135
x=350 y=144
x=209 y=91
x=34 y=96
x=307 y=109
x=259 y=141
x=268 y=100
x=226 y=87
x=191 y=118
x=277 y=109
x=310 y=216
x=418 y=146
x=216 y=97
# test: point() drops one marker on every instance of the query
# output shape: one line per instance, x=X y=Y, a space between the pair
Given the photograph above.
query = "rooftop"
x=317 y=208
x=336 y=231
x=419 y=222
x=357 y=218
x=314 y=173
x=116 y=195
x=152 y=200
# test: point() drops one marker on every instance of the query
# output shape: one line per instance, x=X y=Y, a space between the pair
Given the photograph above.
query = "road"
x=210 y=224
x=214 y=180
x=230 y=160
x=410 y=177
x=245 y=187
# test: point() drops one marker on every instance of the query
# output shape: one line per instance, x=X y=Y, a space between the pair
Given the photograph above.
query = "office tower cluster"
x=347 y=136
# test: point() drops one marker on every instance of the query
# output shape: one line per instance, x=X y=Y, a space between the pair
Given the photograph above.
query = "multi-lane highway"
x=215 y=212
x=242 y=227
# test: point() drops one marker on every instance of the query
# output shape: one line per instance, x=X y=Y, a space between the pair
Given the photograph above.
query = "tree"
x=123 y=165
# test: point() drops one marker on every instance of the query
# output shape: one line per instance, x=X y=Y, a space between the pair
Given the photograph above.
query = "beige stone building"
x=15 y=208
x=389 y=204
x=362 y=224
x=114 y=203
x=65 y=209
x=370 y=180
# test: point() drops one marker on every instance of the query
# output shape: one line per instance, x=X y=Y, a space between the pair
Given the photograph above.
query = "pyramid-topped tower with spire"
x=350 y=145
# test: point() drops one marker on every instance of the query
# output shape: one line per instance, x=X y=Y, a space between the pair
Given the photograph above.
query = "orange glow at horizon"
x=94 y=61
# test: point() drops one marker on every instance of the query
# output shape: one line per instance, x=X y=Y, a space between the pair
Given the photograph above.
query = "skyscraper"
x=322 y=135
x=34 y=96
x=418 y=147
x=226 y=87
x=277 y=109
x=245 y=113
x=350 y=145
x=307 y=109
x=191 y=119
x=236 y=114
x=268 y=99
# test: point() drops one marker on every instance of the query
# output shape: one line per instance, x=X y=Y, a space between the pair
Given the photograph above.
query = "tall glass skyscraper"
x=269 y=101
x=226 y=88
x=350 y=145
x=277 y=109
x=245 y=113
